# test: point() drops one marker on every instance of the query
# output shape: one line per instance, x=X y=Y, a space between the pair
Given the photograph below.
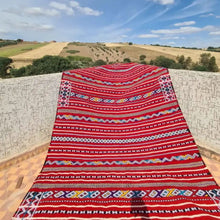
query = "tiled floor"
x=11 y=193
x=16 y=181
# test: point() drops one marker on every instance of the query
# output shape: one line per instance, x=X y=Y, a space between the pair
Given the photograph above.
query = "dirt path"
x=27 y=58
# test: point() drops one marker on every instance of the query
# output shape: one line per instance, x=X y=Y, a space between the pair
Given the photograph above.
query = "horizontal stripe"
x=122 y=168
x=122 y=173
x=118 y=155
x=80 y=133
x=102 y=155
x=122 y=179
x=125 y=185
x=88 y=79
x=123 y=206
x=92 y=119
x=133 y=217
x=116 y=115
x=121 y=127
x=92 y=147
x=113 y=87
x=118 y=70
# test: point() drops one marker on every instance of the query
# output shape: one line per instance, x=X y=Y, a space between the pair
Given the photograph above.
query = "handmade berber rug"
x=121 y=149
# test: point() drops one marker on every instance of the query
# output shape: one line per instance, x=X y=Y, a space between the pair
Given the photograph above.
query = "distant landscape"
x=20 y=58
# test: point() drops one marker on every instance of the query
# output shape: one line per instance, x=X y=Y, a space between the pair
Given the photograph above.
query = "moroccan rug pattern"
x=121 y=149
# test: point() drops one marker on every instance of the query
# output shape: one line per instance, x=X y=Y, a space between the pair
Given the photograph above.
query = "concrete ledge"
x=28 y=108
x=24 y=156
x=209 y=154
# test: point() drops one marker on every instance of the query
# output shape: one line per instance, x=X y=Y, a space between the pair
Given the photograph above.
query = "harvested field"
x=20 y=48
x=194 y=54
x=169 y=52
x=134 y=52
x=28 y=57
x=94 y=51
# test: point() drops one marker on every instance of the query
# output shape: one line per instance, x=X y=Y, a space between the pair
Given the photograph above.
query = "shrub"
x=47 y=64
x=204 y=59
x=185 y=63
x=163 y=62
x=7 y=43
x=72 y=51
x=80 y=61
x=99 y=63
x=212 y=66
x=126 y=60
x=5 y=66
x=51 y=64
x=18 y=72
x=198 y=67
x=142 y=57
x=143 y=62
x=79 y=58
x=208 y=62
x=130 y=43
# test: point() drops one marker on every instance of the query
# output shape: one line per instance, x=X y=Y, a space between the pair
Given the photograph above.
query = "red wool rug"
x=121 y=149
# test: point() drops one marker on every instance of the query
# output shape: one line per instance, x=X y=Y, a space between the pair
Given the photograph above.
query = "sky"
x=189 y=23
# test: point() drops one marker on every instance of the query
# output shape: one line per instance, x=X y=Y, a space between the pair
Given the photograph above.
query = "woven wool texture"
x=121 y=149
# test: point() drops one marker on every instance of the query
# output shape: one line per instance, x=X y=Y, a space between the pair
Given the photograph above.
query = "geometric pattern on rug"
x=121 y=149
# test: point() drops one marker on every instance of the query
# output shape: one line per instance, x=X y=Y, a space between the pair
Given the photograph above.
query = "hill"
x=23 y=59
x=169 y=52
x=24 y=54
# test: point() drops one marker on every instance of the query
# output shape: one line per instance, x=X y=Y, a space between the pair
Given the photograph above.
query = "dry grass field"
x=95 y=51
x=109 y=52
x=28 y=57
x=194 y=54
x=20 y=48
x=169 y=52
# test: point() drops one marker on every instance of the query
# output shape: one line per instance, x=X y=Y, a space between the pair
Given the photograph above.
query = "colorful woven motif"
x=121 y=149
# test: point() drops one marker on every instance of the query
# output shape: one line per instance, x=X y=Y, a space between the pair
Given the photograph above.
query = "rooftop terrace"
x=28 y=107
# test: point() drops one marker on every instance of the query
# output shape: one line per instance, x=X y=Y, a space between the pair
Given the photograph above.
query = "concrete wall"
x=198 y=95
x=28 y=108
x=27 y=112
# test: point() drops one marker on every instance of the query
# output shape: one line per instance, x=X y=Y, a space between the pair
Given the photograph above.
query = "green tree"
x=5 y=66
x=126 y=60
x=196 y=66
x=207 y=63
x=185 y=63
x=80 y=62
x=212 y=66
x=99 y=63
x=142 y=57
x=164 y=62
x=181 y=59
x=20 y=40
x=47 y=64
x=188 y=63
x=51 y=64
x=204 y=59
x=130 y=43
x=143 y=62
x=18 y=72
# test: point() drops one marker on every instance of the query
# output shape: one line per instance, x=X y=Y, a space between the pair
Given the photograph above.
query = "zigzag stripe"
x=76 y=117
x=126 y=162
x=112 y=83
x=118 y=71
x=134 y=98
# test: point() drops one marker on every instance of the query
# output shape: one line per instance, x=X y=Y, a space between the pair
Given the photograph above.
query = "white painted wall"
x=28 y=108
